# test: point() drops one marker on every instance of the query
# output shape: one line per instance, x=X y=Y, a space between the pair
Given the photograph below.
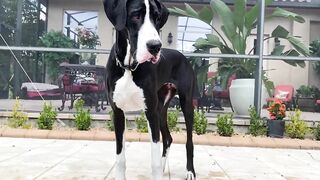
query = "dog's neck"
x=122 y=52
x=121 y=45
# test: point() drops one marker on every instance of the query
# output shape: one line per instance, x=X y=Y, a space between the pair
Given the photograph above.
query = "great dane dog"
x=142 y=76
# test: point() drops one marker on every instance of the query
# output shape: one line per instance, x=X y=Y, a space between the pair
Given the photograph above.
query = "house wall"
x=278 y=71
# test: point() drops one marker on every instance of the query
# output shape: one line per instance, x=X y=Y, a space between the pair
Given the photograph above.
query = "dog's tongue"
x=155 y=59
x=151 y=58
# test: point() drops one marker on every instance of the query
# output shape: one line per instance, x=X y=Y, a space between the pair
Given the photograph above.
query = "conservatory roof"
x=279 y=3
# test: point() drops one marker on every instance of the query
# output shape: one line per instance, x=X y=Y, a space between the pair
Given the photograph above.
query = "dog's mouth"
x=155 y=59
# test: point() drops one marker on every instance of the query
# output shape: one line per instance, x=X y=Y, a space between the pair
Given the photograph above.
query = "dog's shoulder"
x=173 y=56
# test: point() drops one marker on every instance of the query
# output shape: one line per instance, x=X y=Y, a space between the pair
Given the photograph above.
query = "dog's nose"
x=154 y=46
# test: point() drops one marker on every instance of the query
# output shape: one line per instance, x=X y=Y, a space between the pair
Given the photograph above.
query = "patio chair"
x=285 y=93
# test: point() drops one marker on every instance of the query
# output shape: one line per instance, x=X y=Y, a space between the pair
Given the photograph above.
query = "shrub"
x=47 y=117
x=18 y=118
x=55 y=39
x=82 y=117
x=257 y=126
x=200 y=122
x=224 y=124
x=317 y=132
x=297 y=128
x=110 y=124
x=141 y=122
x=173 y=120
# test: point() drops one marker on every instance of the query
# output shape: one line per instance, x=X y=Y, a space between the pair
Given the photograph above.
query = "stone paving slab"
x=179 y=138
x=25 y=158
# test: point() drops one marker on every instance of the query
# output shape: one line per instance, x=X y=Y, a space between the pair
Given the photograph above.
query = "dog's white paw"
x=190 y=176
x=163 y=162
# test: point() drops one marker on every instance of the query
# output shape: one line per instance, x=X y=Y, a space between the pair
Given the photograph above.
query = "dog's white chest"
x=127 y=95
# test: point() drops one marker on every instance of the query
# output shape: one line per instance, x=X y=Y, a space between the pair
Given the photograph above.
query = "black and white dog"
x=142 y=76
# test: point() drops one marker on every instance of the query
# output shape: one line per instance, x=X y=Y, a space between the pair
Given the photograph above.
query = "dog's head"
x=142 y=19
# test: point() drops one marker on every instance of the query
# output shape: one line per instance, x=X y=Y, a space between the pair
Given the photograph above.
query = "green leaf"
x=280 y=32
x=226 y=17
x=213 y=40
x=178 y=11
x=239 y=44
x=202 y=43
x=206 y=15
x=293 y=52
x=298 y=45
x=239 y=12
x=252 y=15
x=279 y=12
x=277 y=51
x=191 y=11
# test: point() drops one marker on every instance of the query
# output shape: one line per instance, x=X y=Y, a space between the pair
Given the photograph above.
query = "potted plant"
x=276 y=124
x=237 y=26
x=315 y=51
x=306 y=97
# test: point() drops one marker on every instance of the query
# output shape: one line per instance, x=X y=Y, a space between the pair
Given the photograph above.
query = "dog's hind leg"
x=119 y=126
x=187 y=109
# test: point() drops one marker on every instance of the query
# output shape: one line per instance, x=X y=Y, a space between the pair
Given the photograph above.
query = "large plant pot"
x=275 y=128
x=306 y=103
x=242 y=95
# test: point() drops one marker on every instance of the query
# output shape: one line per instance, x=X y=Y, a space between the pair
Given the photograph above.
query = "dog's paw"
x=190 y=176
x=163 y=162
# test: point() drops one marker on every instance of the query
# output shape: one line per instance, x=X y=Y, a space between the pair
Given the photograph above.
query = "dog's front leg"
x=119 y=126
x=154 y=131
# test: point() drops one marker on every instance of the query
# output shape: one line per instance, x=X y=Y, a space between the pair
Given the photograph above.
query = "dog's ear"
x=116 y=12
x=164 y=13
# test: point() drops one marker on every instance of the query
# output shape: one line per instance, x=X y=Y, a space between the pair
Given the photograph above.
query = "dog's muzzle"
x=154 y=47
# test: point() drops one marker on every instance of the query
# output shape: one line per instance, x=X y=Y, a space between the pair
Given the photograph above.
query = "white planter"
x=242 y=95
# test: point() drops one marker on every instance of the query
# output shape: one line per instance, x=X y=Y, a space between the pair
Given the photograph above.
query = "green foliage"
x=315 y=51
x=308 y=91
x=18 y=118
x=237 y=26
x=257 y=126
x=82 y=117
x=200 y=122
x=172 y=118
x=47 y=117
x=55 y=39
x=110 y=124
x=317 y=132
x=297 y=128
x=141 y=122
x=200 y=67
x=225 y=125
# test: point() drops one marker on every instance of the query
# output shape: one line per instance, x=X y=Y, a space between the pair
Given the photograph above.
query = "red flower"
x=277 y=110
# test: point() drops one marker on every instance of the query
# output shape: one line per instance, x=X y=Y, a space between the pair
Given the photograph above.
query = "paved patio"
x=70 y=159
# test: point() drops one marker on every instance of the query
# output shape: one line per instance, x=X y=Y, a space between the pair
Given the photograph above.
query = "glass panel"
x=189 y=30
x=79 y=19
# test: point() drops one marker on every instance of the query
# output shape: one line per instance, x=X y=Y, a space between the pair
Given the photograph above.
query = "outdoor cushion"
x=281 y=94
